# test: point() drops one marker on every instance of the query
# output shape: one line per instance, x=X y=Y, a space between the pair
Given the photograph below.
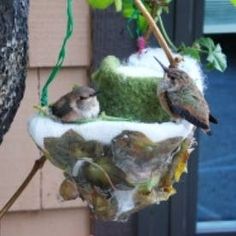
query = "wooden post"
x=176 y=217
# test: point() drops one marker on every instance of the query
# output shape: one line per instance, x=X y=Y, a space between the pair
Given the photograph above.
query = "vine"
x=202 y=48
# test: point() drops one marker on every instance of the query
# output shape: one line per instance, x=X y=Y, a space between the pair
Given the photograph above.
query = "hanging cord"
x=61 y=55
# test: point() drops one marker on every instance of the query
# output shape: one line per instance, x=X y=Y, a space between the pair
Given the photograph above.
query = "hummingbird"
x=181 y=99
x=80 y=103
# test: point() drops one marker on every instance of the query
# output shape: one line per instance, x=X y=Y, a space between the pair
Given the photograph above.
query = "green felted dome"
x=132 y=97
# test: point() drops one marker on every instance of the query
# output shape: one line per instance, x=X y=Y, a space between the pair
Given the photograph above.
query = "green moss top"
x=130 y=97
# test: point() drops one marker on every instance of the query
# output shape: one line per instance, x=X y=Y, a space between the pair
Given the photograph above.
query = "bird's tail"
x=209 y=132
x=212 y=119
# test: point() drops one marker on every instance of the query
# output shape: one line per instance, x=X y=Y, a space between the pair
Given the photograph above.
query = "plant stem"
x=38 y=164
x=157 y=33
x=153 y=14
x=166 y=36
x=203 y=51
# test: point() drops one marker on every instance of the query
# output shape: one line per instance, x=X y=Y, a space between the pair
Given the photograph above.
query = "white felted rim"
x=40 y=127
x=145 y=62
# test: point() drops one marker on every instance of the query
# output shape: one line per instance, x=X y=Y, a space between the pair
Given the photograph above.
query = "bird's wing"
x=61 y=107
x=165 y=103
x=190 y=107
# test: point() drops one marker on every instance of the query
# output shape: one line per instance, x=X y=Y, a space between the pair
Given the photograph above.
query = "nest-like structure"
x=121 y=165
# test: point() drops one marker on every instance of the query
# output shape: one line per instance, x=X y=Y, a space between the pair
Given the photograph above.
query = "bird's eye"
x=83 y=98
x=171 y=77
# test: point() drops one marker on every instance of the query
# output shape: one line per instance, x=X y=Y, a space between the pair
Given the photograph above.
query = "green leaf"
x=118 y=5
x=206 y=43
x=233 y=2
x=128 y=12
x=100 y=4
x=127 y=9
x=167 y=1
x=191 y=51
x=142 y=23
x=217 y=59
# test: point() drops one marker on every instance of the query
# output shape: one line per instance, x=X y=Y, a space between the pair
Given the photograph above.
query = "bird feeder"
x=126 y=162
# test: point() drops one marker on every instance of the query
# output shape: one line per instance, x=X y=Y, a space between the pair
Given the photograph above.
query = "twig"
x=37 y=165
x=156 y=32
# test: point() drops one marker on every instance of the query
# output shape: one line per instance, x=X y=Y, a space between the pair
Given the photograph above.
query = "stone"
x=13 y=58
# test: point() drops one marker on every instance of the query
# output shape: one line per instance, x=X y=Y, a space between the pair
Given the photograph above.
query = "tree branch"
x=157 y=33
x=13 y=59
x=37 y=166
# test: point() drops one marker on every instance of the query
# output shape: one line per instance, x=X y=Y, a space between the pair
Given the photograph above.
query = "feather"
x=184 y=113
x=61 y=107
x=212 y=119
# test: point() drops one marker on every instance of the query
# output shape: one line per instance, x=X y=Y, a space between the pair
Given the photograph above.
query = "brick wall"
x=39 y=211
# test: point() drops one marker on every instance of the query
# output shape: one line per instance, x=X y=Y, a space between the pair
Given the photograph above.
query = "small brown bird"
x=181 y=98
x=80 y=103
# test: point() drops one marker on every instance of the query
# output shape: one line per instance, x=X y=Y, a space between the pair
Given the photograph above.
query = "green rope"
x=61 y=55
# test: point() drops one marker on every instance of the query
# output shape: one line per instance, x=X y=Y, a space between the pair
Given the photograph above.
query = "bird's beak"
x=96 y=93
x=162 y=66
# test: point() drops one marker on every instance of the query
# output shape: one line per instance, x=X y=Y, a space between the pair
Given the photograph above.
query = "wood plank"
x=51 y=176
x=18 y=153
x=70 y=222
x=154 y=220
x=64 y=81
x=51 y=199
x=112 y=228
x=47 y=26
x=188 y=24
x=110 y=40
x=183 y=207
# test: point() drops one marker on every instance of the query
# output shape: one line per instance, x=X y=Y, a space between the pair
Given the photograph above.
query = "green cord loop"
x=61 y=55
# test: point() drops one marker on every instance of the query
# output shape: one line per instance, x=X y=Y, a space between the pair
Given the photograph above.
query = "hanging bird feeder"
x=121 y=165
x=129 y=156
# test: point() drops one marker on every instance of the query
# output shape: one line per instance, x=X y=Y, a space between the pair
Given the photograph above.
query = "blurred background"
x=216 y=206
